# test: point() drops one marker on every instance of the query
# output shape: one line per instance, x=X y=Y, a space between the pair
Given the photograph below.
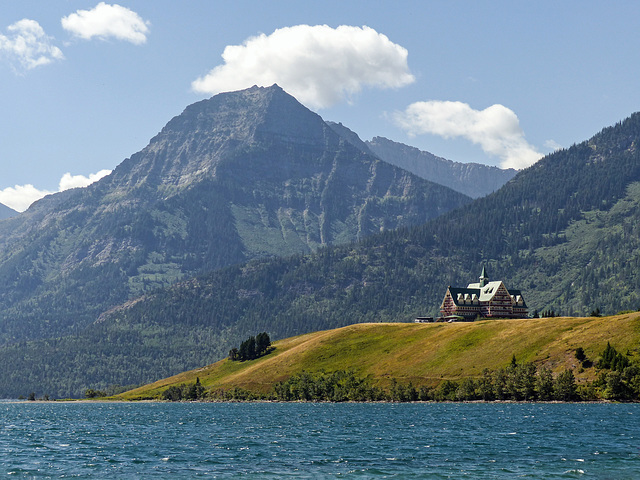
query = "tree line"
x=618 y=380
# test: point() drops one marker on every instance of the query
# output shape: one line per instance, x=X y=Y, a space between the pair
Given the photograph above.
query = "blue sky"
x=87 y=84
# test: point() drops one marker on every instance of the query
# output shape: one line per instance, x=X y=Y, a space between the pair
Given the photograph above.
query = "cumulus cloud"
x=107 y=21
x=28 y=46
x=552 y=145
x=319 y=65
x=496 y=129
x=20 y=197
x=74 y=181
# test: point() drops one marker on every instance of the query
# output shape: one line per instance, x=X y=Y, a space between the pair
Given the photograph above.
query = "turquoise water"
x=476 y=441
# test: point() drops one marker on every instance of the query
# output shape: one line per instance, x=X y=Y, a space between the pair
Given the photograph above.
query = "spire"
x=484 y=277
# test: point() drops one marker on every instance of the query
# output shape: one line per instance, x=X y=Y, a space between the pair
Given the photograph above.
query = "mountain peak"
x=193 y=143
x=241 y=113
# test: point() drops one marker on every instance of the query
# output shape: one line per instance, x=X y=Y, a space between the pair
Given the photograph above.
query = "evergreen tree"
x=615 y=387
x=500 y=384
x=485 y=386
x=544 y=384
x=263 y=342
x=248 y=349
x=526 y=381
x=173 y=393
x=195 y=391
x=446 y=391
x=466 y=390
x=564 y=386
x=612 y=359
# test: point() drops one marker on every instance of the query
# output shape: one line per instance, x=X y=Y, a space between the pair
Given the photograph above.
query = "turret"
x=484 y=277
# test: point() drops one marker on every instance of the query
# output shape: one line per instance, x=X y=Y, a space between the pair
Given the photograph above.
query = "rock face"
x=239 y=176
x=473 y=179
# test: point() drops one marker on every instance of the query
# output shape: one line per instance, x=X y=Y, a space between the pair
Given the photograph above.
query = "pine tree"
x=544 y=384
x=564 y=387
x=263 y=342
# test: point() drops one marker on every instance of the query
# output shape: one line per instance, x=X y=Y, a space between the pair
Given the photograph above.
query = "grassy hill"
x=424 y=354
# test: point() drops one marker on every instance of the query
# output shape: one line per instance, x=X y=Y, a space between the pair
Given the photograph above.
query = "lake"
x=304 y=440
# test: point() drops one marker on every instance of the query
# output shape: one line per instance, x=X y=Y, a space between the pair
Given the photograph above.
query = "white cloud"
x=552 y=145
x=28 y=45
x=20 y=197
x=496 y=129
x=319 y=65
x=105 y=21
x=74 y=181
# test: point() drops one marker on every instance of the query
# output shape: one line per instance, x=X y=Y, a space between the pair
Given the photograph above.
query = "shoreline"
x=434 y=402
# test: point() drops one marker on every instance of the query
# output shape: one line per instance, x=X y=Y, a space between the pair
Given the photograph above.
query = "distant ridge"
x=473 y=179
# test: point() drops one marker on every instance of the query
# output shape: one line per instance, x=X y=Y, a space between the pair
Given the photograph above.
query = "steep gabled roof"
x=464 y=292
x=483 y=294
x=518 y=293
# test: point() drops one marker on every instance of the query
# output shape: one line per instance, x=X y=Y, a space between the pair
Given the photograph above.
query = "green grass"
x=424 y=354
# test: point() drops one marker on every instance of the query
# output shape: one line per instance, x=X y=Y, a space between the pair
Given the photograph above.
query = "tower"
x=484 y=277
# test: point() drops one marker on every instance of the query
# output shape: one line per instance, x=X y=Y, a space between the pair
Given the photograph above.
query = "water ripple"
x=265 y=441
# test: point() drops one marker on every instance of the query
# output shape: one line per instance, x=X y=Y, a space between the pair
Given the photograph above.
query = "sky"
x=86 y=84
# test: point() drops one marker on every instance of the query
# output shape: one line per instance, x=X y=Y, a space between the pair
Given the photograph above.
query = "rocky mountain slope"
x=242 y=175
x=473 y=179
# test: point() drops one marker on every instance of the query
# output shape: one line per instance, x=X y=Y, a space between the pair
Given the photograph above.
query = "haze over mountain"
x=473 y=179
x=239 y=176
x=565 y=231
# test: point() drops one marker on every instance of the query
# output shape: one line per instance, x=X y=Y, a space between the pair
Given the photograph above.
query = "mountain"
x=473 y=179
x=242 y=175
x=566 y=232
x=6 y=212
